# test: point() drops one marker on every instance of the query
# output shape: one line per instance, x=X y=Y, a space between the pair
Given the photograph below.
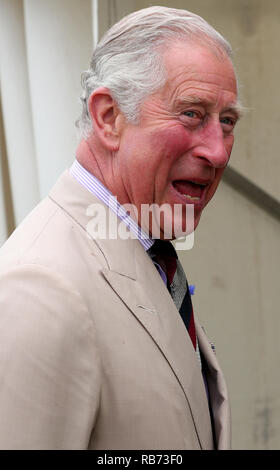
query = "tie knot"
x=163 y=253
x=163 y=249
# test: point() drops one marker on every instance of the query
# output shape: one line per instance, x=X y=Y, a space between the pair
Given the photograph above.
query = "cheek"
x=173 y=141
x=229 y=144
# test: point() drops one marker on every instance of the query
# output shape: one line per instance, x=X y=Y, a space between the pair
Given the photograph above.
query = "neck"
x=100 y=163
x=86 y=156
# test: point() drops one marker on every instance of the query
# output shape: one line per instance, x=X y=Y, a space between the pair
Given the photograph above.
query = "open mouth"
x=192 y=191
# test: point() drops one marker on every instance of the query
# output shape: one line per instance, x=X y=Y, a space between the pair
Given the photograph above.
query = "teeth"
x=191 y=198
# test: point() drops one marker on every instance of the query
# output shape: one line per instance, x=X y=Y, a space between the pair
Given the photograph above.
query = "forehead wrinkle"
x=196 y=88
x=233 y=107
x=202 y=96
x=190 y=75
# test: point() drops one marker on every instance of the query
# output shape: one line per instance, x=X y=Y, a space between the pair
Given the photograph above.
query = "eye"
x=228 y=123
x=191 y=117
x=191 y=114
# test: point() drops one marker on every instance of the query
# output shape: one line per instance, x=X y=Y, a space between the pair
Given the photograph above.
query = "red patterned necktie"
x=164 y=254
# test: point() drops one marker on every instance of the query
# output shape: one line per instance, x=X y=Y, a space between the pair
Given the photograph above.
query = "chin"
x=171 y=222
x=179 y=227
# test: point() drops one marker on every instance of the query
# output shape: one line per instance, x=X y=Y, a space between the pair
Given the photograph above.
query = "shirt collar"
x=92 y=184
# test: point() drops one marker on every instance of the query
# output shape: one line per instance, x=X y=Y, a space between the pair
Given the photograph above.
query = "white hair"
x=128 y=58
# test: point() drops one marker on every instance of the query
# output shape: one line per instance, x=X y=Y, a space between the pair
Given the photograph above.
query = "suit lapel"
x=144 y=293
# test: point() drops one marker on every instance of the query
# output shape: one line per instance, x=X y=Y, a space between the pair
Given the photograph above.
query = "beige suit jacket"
x=93 y=353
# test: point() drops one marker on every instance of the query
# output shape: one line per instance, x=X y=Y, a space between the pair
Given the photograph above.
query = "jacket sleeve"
x=49 y=362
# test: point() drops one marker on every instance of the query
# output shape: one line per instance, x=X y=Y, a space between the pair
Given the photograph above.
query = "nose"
x=213 y=145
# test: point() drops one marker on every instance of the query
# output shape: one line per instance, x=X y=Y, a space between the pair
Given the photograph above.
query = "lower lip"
x=197 y=203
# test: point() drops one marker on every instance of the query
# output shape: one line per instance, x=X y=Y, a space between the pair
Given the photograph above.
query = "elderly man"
x=99 y=345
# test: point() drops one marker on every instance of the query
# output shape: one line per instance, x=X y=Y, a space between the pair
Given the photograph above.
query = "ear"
x=106 y=118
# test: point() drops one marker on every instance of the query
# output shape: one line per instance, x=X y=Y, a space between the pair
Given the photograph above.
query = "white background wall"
x=44 y=46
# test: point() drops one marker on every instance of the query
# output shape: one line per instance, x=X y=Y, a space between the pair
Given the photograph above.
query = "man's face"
x=178 y=152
